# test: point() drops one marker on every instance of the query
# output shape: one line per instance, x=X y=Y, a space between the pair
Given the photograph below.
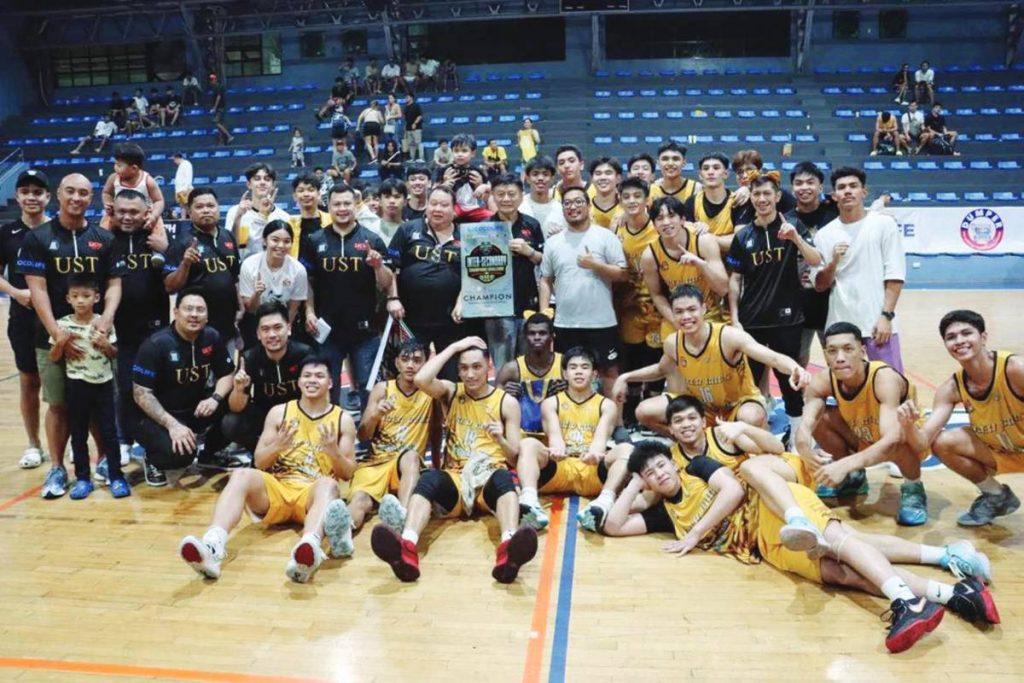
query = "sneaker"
x=102 y=474
x=894 y=471
x=81 y=489
x=855 y=484
x=338 y=529
x=392 y=513
x=126 y=454
x=56 y=483
x=899 y=153
x=222 y=461
x=910 y=622
x=119 y=488
x=591 y=517
x=533 y=516
x=200 y=556
x=972 y=601
x=874 y=152
x=964 y=561
x=31 y=458
x=514 y=553
x=155 y=476
x=913 y=504
x=138 y=452
x=399 y=553
x=801 y=535
x=622 y=435
x=306 y=558
x=988 y=506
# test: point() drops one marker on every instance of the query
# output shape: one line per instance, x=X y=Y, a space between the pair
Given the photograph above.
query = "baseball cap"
x=33 y=177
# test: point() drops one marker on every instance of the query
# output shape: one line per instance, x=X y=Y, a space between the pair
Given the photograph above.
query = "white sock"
x=792 y=514
x=505 y=535
x=939 y=592
x=895 y=588
x=411 y=536
x=908 y=480
x=932 y=554
x=529 y=496
x=990 y=486
x=216 y=537
x=312 y=538
x=605 y=500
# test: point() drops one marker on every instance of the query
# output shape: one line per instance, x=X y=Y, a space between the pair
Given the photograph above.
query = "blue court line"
x=560 y=641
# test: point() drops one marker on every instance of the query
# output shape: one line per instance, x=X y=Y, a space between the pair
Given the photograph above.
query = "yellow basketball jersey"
x=997 y=418
x=578 y=421
x=638 y=317
x=306 y=459
x=673 y=273
x=465 y=432
x=860 y=409
x=406 y=427
x=605 y=217
x=736 y=536
x=721 y=224
x=713 y=450
x=719 y=385
x=682 y=194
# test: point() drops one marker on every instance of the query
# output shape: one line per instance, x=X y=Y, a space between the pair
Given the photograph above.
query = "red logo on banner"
x=982 y=229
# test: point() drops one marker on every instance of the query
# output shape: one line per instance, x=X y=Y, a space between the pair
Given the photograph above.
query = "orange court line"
x=921 y=380
x=539 y=625
x=154 y=672
x=20 y=497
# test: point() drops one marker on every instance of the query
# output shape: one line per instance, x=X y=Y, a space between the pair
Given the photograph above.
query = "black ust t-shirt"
x=274 y=382
x=815 y=303
x=179 y=371
x=216 y=273
x=144 y=301
x=429 y=273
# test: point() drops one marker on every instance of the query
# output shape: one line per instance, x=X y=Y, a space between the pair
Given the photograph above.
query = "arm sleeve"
x=147 y=365
x=703 y=467
x=247 y=276
x=894 y=258
x=736 y=258
x=397 y=247
x=547 y=265
x=657 y=520
x=222 y=363
x=32 y=256
x=300 y=290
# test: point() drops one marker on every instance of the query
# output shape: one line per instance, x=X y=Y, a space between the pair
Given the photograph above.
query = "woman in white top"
x=371 y=123
x=272 y=275
x=392 y=118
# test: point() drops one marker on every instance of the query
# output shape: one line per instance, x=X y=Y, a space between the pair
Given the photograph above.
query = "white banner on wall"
x=961 y=230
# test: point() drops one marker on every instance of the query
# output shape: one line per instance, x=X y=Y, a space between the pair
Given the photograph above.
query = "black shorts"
x=218 y=116
x=603 y=341
x=372 y=128
x=21 y=333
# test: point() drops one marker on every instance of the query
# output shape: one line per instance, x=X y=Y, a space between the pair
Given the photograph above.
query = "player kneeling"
x=306 y=446
x=705 y=506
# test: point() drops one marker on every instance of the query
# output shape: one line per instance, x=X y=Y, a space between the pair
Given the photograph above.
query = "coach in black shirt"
x=172 y=374
x=205 y=256
x=346 y=267
x=66 y=245
x=764 y=288
x=267 y=375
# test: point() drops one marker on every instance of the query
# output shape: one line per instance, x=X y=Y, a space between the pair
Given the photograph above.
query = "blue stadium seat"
x=199 y=154
x=653 y=139
x=645 y=73
x=460 y=119
x=600 y=73
x=698 y=114
x=467 y=98
x=732 y=71
x=874 y=166
x=900 y=165
x=771 y=114
x=484 y=118
x=509 y=96
x=980 y=165
x=843 y=113
x=738 y=91
x=781 y=137
x=954 y=165
x=918 y=196
x=536 y=76
x=650 y=115
x=946 y=196
x=489 y=97
x=514 y=76
x=761 y=92
x=753 y=138
x=445 y=99
x=493 y=77
x=670 y=92
x=746 y=113
x=533 y=95
x=716 y=92
x=647 y=92
x=625 y=93
x=729 y=138
x=694 y=92
x=603 y=140
x=927 y=166
x=627 y=115
x=723 y=114
x=831 y=90
x=1004 y=196
x=507 y=118
x=856 y=137
x=1013 y=164
x=675 y=114
x=623 y=73
x=667 y=73
x=795 y=114
x=472 y=78
x=975 y=196
x=629 y=139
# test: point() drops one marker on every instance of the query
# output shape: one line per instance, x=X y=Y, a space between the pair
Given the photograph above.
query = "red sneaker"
x=396 y=551
x=514 y=553
x=911 y=621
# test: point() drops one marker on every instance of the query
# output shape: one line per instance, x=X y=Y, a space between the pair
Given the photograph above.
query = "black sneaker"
x=910 y=622
x=155 y=476
x=622 y=435
x=973 y=601
x=988 y=506
x=224 y=461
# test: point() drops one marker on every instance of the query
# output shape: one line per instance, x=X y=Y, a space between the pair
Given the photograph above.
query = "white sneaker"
x=533 y=516
x=392 y=513
x=338 y=529
x=894 y=471
x=307 y=556
x=126 y=454
x=200 y=556
x=803 y=536
x=31 y=458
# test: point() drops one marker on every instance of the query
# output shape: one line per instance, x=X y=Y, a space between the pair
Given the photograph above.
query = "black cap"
x=33 y=177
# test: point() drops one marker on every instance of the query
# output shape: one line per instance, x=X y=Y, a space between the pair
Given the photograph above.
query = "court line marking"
x=152 y=671
x=921 y=380
x=539 y=623
x=560 y=640
x=11 y=502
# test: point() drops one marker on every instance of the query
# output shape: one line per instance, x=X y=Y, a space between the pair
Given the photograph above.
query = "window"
x=311 y=44
x=256 y=55
x=100 y=65
x=353 y=43
x=892 y=24
x=698 y=34
x=846 y=25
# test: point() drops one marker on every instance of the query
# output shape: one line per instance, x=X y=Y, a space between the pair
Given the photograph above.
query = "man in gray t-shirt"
x=579 y=266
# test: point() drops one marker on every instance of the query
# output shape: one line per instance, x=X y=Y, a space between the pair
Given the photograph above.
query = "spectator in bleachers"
x=372 y=77
x=172 y=108
x=343 y=161
x=393 y=193
x=641 y=166
x=412 y=139
x=529 y=140
x=183 y=175
x=103 y=131
x=118 y=110
x=256 y=209
x=219 y=109
x=449 y=76
x=371 y=125
x=350 y=74
x=442 y=155
x=466 y=181
x=887 y=135
x=297 y=148
x=901 y=84
x=191 y=90
x=428 y=73
x=392 y=118
x=341 y=95
x=942 y=140
x=417 y=181
x=914 y=128
x=924 y=83
x=392 y=161
x=157 y=114
x=272 y=275
x=410 y=75
x=141 y=104
x=495 y=160
x=390 y=75
x=541 y=202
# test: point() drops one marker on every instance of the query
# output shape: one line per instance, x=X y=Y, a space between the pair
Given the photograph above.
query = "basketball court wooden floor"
x=94 y=590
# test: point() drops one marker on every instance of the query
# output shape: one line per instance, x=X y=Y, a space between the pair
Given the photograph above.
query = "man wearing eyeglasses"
x=579 y=266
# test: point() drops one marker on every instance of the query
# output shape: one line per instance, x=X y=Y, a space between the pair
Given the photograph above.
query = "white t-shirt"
x=912 y=123
x=183 y=177
x=429 y=67
x=584 y=297
x=141 y=103
x=287 y=283
x=390 y=71
x=255 y=222
x=925 y=76
x=548 y=214
x=104 y=129
x=875 y=255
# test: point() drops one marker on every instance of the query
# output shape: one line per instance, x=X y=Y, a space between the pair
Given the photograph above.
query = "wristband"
x=394 y=298
x=217 y=397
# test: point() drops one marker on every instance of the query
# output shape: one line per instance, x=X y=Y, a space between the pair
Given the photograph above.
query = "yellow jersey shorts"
x=375 y=480
x=288 y=498
x=572 y=475
x=769 y=536
x=1007 y=462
